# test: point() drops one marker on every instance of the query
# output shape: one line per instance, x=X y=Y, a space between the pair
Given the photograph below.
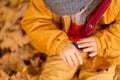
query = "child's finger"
x=87 y=44
x=88 y=49
x=92 y=54
x=64 y=59
x=69 y=60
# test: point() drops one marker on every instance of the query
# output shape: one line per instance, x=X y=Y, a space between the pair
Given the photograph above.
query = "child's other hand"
x=70 y=55
x=88 y=45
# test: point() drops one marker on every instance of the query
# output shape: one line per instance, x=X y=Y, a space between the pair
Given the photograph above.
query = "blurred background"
x=18 y=59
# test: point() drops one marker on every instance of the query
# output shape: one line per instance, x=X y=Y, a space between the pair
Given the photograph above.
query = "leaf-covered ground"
x=18 y=59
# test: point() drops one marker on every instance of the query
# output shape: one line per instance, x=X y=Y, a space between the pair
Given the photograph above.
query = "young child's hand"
x=88 y=45
x=70 y=55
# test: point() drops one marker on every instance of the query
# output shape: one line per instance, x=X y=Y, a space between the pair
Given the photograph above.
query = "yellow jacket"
x=48 y=31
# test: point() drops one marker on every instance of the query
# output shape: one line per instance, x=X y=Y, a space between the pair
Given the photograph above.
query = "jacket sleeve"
x=108 y=39
x=45 y=36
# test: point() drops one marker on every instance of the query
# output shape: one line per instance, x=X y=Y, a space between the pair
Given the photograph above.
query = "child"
x=59 y=28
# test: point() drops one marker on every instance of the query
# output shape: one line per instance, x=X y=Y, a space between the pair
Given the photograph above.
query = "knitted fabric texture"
x=66 y=7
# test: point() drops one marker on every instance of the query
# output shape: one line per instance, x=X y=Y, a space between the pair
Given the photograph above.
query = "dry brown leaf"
x=17 y=56
x=13 y=3
x=18 y=38
x=3 y=75
x=20 y=11
x=23 y=75
x=9 y=43
x=6 y=16
x=9 y=61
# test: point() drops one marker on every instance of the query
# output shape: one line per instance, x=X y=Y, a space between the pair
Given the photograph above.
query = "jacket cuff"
x=61 y=45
